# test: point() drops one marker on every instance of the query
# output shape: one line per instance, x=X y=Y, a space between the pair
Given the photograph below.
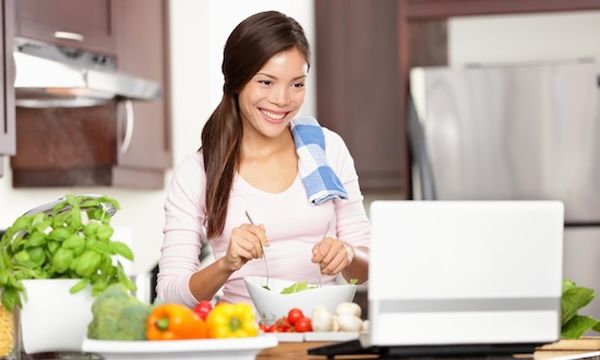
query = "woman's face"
x=274 y=95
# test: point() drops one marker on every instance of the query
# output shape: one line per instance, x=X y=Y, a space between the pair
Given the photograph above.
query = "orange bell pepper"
x=174 y=322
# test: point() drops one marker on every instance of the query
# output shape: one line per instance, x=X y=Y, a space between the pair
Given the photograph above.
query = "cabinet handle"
x=66 y=35
x=129 y=123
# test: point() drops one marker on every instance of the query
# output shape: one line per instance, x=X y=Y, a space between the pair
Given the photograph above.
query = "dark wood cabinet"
x=148 y=122
x=85 y=24
x=365 y=50
x=358 y=87
x=7 y=75
x=122 y=144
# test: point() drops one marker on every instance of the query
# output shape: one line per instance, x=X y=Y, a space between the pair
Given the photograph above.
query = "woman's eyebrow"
x=275 y=77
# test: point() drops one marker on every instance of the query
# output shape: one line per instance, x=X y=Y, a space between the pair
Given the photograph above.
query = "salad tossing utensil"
x=263 y=251
x=322 y=237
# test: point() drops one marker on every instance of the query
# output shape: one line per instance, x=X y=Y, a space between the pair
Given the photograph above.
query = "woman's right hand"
x=245 y=245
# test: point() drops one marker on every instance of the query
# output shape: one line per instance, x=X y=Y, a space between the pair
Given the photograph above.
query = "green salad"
x=304 y=285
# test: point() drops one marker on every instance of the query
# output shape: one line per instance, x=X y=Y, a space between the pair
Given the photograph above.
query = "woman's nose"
x=280 y=96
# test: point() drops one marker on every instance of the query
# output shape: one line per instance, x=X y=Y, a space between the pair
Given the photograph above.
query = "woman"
x=249 y=163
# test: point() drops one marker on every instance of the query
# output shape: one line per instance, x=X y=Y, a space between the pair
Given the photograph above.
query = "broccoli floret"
x=118 y=316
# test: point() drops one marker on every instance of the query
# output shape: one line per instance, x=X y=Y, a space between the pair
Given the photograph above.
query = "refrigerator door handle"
x=419 y=152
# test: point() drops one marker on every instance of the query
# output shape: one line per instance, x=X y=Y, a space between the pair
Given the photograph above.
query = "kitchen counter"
x=298 y=351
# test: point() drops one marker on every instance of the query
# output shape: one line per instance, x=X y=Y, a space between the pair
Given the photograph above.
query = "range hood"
x=55 y=76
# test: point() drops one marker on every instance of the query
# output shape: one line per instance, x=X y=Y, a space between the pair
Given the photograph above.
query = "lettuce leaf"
x=577 y=326
x=573 y=299
x=297 y=287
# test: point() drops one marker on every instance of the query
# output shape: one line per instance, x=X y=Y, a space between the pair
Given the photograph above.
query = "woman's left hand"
x=332 y=255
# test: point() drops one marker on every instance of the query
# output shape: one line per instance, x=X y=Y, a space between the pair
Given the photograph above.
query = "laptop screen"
x=465 y=272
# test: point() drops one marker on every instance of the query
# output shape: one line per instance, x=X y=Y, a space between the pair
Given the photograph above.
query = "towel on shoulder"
x=319 y=180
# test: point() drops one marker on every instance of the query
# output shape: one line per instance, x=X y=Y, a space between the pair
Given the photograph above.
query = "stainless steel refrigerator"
x=515 y=132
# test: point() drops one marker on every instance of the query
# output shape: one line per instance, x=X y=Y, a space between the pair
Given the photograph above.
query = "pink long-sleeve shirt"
x=293 y=226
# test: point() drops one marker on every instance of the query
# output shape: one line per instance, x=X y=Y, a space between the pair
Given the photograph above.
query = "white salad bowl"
x=272 y=304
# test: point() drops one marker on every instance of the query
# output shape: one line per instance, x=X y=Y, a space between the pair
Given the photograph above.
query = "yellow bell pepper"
x=231 y=321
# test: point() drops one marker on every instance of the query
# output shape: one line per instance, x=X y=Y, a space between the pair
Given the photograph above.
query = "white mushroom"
x=322 y=320
x=348 y=308
x=365 y=326
x=335 y=326
x=349 y=322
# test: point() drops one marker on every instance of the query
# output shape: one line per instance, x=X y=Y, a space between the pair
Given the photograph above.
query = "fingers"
x=249 y=238
x=331 y=256
x=262 y=235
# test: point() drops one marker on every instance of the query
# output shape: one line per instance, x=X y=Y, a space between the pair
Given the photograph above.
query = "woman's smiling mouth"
x=274 y=117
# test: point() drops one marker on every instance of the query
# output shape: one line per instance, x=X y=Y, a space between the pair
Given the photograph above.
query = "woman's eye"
x=265 y=82
x=299 y=85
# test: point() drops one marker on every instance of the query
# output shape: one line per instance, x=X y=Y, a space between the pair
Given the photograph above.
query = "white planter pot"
x=52 y=319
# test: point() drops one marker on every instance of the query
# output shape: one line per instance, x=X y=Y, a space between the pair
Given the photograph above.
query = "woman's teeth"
x=272 y=115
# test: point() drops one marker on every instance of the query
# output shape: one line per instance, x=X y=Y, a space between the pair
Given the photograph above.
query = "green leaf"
x=353 y=281
x=75 y=217
x=91 y=228
x=568 y=285
x=53 y=246
x=101 y=248
x=62 y=259
x=73 y=241
x=122 y=249
x=81 y=284
x=124 y=279
x=36 y=238
x=573 y=300
x=104 y=232
x=10 y=298
x=577 y=326
x=296 y=287
x=72 y=200
x=22 y=223
x=88 y=263
x=59 y=234
x=90 y=203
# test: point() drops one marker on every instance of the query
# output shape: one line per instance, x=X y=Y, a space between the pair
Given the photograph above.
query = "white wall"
x=198 y=33
x=516 y=38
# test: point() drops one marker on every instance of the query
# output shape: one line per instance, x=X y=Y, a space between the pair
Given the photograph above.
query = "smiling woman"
x=258 y=157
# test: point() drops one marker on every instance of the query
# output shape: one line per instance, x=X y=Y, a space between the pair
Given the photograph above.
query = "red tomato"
x=294 y=315
x=303 y=325
x=203 y=308
x=283 y=325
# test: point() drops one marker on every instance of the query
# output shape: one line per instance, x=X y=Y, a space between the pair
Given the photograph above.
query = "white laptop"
x=465 y=272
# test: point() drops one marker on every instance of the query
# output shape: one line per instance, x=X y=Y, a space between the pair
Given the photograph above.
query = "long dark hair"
x=249 y=47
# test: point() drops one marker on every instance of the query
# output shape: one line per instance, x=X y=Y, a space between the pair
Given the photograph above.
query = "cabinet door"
x=7 y=94
x=143 y=131
x=359 y=89
x=78 y=23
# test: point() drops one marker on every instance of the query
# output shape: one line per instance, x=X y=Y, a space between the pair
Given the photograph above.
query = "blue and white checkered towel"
x=320 y=181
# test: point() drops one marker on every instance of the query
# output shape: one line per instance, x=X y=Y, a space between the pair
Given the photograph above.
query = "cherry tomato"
x=294 y=315
x=303 y=325
x=266 y=328
x=203 y=308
